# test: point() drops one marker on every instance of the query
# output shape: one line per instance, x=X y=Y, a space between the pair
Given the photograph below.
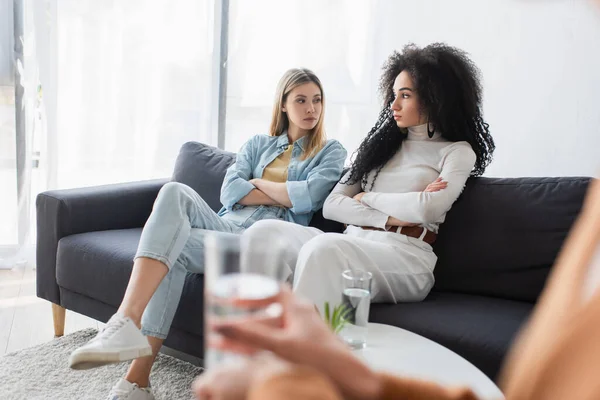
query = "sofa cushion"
x=98 y=265
x=502 y=235
x=202 y=167
x=478 y=328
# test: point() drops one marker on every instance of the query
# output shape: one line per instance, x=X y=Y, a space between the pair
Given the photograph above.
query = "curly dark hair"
x=449 y=88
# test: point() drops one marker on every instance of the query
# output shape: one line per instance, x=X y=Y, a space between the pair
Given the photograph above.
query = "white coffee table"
x=407 y=354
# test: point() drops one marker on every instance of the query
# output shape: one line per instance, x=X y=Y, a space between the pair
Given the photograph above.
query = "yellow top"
x=277 y=171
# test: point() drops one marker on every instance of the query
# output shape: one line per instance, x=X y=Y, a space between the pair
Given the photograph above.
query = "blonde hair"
x=280 y=122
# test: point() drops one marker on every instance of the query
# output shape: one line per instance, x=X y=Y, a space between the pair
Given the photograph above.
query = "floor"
x=25 y=319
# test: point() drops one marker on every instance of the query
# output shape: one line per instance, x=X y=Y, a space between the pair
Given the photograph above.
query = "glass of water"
x=232 y=293
x=356 y=297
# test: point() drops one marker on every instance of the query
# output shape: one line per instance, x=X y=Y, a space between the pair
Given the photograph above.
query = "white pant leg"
x=402 y=270
x=272 y=233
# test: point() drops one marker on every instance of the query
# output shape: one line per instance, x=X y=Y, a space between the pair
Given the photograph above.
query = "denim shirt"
x=308 y=184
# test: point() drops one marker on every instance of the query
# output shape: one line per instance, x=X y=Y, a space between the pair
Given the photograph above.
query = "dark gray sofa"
x=495 y=251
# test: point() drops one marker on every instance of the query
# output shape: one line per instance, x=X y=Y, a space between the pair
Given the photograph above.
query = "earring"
x=430 y=132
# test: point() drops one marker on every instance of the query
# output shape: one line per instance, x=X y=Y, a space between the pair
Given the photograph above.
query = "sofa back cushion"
x=202 y=167
x=503 y=235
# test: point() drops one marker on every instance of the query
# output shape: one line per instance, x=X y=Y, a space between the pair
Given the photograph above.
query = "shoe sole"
x=88 y=360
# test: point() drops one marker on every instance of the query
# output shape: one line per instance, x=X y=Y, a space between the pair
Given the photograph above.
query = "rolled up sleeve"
x=236 y=184
x=309 y=195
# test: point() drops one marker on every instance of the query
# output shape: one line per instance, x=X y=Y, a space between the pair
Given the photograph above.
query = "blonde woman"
x=285 y=175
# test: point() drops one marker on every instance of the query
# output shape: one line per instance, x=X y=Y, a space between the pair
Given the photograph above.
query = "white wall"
x=540 y=62
x=541 y=66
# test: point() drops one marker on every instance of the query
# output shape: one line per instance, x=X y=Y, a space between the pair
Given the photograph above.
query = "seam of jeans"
x=166 y=305
x=174 y=240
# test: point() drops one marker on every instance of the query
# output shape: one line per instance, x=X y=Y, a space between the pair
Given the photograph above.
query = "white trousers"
x=313 y=261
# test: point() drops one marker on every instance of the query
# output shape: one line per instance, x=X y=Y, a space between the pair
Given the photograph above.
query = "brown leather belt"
x=412 y=231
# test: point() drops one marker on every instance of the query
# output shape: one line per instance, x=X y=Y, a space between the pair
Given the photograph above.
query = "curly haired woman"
x=407 y=173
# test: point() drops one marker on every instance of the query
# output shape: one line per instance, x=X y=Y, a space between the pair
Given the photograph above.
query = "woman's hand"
x=359 y=196
x=232 y=381
x=225 y=382
x=293 y=337
x=436 y=186
x=305 y=339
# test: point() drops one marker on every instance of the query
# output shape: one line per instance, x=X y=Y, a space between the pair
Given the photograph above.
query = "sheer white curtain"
x=133 y=84
x=8 y=186
x=20 y=116
x=113 y=89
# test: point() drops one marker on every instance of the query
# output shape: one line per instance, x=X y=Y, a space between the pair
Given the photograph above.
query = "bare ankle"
x=139 y=371
x=142 y=383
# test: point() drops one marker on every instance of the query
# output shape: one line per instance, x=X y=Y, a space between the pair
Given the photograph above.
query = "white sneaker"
x=125 y=390
x=120 y=340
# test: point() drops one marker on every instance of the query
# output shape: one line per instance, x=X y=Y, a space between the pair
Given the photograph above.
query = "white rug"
x=42 y=372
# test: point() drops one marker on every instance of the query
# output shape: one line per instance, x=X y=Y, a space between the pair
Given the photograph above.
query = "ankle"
x=142 y=383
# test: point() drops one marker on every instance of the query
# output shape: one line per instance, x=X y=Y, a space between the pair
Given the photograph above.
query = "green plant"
x=338 y=317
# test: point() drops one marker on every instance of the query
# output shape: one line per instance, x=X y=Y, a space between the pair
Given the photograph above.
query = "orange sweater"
x=556 y=357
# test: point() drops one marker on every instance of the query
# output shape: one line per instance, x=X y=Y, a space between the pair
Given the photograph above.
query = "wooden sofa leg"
x=58 y=315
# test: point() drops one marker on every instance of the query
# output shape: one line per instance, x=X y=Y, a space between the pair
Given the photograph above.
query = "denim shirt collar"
x=283 y=141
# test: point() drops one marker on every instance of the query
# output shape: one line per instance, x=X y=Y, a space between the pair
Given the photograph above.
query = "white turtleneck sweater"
x=398 y=190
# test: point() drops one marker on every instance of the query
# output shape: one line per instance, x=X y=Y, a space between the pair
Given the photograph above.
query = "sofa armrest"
x=62 y=213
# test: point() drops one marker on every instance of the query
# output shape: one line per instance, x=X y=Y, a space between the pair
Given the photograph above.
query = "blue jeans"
x=174 y=235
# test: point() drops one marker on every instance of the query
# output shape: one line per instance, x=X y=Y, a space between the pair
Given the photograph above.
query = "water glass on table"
x=233 y=293
x=356 y=299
